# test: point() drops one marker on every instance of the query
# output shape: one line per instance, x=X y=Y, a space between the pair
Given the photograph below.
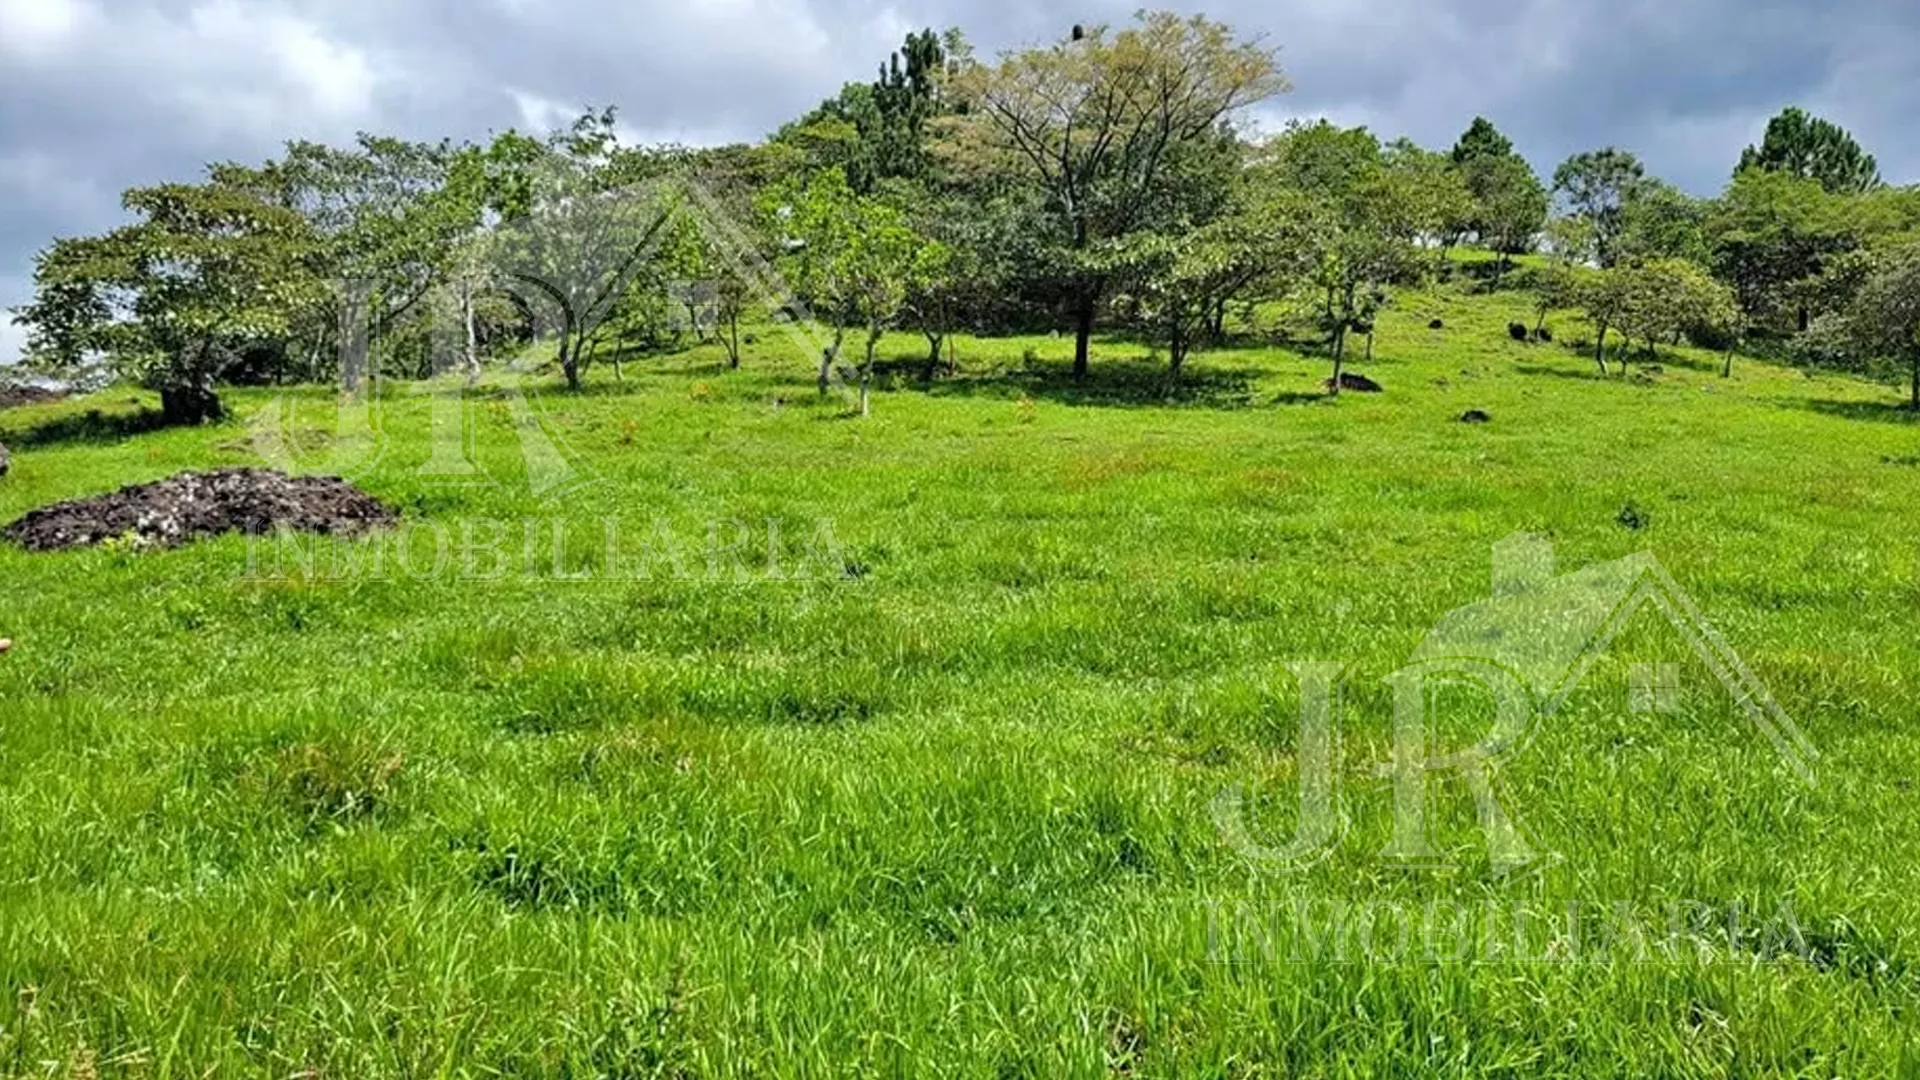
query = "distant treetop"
x=1814 y=149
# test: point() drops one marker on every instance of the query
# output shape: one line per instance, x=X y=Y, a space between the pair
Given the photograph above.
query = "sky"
x=100 y=95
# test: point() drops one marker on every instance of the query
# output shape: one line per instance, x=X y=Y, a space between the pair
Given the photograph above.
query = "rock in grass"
x=174 y=511
x=6 y=461
x=6 y=645
x=1437 y=324
x=1475 y=416
x=1517 y=331
x=1359 y=384
x=1633 y=518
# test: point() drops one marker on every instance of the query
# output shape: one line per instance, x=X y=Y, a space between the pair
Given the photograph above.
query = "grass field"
x=942 y=809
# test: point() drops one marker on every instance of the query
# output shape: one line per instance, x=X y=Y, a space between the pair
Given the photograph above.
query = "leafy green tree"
x=1181 y=280
x=1769 y=236
x=1667 y=299
x=1878 y=331
x=1810 y=148
x=171 y=300
x=1431 y=193
x=1510 y=204
x=388 y=219
x=1480 y=142
x=857 y=259
x=1096 y=124
x=1600 y=184
x=1358 y=231
x=1663 y=222
x=586 y=236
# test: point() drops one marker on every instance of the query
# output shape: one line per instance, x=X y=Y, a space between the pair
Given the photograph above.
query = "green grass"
x=943 y=809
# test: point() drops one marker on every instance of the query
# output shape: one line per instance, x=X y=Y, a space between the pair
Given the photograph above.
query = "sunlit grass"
x=945 y=810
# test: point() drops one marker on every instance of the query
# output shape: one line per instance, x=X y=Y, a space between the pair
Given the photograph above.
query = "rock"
x=1633 y=518
x=1517 y=331
x=6 y=461
x=1357 y=383
x=6 y=645
x=1437 y=324
x=1544 y=336
x=1475 y=416
x=14 y=396
x=175 y=511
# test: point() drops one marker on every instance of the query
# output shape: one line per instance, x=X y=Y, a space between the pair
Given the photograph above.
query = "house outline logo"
x=1527 y=648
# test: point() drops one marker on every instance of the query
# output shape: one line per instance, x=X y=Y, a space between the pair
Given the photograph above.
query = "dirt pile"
x=15 y=396
x=172 y=512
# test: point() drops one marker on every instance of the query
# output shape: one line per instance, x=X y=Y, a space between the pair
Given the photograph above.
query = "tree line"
x=1113 y=178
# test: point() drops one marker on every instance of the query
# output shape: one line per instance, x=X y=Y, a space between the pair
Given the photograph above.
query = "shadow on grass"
x=1884 y=412
x=1111 y=384
x=92 y=426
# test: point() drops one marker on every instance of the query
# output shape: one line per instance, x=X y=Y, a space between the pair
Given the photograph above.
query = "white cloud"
x=30 y=28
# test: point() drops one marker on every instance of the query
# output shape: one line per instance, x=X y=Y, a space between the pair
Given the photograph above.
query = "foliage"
x=1097 y=123
x=1810 y=148
x=1600 y=185
x=1877 y=330
x=169 y=301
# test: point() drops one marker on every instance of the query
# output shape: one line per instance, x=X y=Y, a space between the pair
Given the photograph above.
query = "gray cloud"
x=105 y=94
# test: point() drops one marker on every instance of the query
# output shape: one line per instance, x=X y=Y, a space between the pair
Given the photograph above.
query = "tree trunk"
x=1916 y=382
x=933 y=356
x=1083 y=335
x=1600 y=349
x=570 y=361
x=1369 y=347
x=472 y=355
x=866 y=375
x=1339 y=356
x=1806 y=318
x=185 y=406
x=1726 y=367
x=355 y=341
x=733 y=341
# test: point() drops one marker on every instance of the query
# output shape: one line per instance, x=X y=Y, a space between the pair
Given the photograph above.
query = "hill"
x=891 y=744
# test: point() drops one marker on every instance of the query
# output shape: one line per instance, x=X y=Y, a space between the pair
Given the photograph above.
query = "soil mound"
x=172 y=512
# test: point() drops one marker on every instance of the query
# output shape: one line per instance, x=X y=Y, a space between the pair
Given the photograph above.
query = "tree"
x=1510 y=204
x=1180 y=280
x=1600 y=184
x=856 y=259
x=1095 y=122
x=1481 y=141
x=1770 y=235
x=1878 y=331
x=171 y=300
x=1605 y=296
x=1813 y=149
x=1666 y=299
x=1431 y=193
x=1663 y=222
x=1359 y=221
x=387 y=215
x=585 y=236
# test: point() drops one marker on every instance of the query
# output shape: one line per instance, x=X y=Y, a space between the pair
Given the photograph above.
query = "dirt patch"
x=12 y=397
x=174 y=511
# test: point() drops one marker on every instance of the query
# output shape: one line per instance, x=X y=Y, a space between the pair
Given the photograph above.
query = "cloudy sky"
x=99 y=95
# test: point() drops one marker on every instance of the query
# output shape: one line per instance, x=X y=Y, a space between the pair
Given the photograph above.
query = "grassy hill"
x=935 y=801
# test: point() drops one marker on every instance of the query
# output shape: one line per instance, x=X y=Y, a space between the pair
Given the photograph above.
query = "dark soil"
x=15 y=396
x=175 y=511
x=1359 y=384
